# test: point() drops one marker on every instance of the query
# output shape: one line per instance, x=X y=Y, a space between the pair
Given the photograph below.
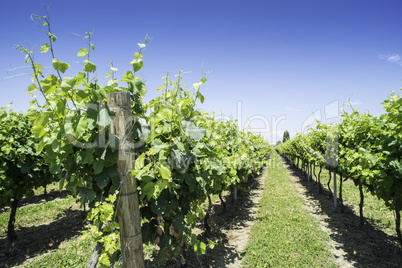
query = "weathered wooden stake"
x=128 y=213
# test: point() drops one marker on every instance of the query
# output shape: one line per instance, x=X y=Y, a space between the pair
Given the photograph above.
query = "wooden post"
x=128 y=213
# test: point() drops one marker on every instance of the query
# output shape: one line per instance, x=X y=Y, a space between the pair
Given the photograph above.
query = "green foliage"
x=105 y=230
x=38 y=214
x=22 y=167
x=182 y=155
x=279 y=142
x=74 y=139
x=187 y=156
x=363 y=148
x=55 y=218
x=390 y=159
x=286 y=136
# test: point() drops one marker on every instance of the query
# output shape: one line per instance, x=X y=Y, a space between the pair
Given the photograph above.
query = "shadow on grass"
x=239 y=214
x=365 y=246
x=39 y=199
x=37 y=240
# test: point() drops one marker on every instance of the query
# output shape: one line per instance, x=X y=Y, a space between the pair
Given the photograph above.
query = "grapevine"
x=182 y=155
x=363 y=148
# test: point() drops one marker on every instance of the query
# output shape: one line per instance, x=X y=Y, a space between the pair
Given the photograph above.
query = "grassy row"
x=49 y=188
x=374 y=209
x=284 y=234
x=37 y=214
x=72 y=253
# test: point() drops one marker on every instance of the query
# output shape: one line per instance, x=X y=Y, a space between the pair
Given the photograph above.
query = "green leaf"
x=163 y=114
x=138 y=84
x=180 y=145
x=192 y=130
x=80 y=77
x=203 y=248
x=49 y=84
x=75 y=125
x=54 y=38
x=32 y=88
x=33 y=102
x=201 y=181
x=138 y=64
x=200 y=97
x=111 y=158
x=141 y=131
x=372 y=158
x=180 y=160
x=89 y=67
x=127 y=77
x=139 y=162
x=44 y=48
x=159 y=187
x=102 y=180
x=82 y=52
x=104 y=117
x=87 y=195
x=164 y=170
x=190 y=181
x=61 y=184
x=88 y=156
x=81 y=127
x=149 y=189
x=98 y=166
x=191 y=218
x=182 y=104
x=392 y=125
x=200 y=247
x=159 y=206
x=68 y=83
x=39 y=125
x=60 y=66
x=197 y=86
x=54 y=167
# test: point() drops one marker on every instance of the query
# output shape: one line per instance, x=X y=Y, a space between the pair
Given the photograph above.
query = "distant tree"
x=278 y=142
x=286 y=136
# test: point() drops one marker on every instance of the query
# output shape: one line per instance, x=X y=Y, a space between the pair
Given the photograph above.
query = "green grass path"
x=284 y=234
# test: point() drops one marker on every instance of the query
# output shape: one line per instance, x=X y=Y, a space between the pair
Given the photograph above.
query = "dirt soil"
x=230 y=230
x=351 y=244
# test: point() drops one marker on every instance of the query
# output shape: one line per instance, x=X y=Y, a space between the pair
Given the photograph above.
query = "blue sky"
x=273 y=62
